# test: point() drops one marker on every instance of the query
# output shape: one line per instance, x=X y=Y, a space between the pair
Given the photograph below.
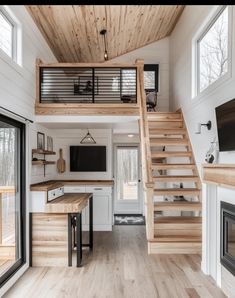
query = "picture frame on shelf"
x=49 y=143
x=40 y=140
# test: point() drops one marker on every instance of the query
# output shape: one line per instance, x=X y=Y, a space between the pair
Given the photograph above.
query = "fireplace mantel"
x=219 y=174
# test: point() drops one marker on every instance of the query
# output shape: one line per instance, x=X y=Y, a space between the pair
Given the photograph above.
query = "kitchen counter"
x=68 y=203
x=52 y=184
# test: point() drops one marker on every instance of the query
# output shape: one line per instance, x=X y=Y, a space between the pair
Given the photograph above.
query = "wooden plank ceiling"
x=73 y=31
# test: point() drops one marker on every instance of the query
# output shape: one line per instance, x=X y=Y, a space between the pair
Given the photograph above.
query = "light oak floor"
x=120 y=267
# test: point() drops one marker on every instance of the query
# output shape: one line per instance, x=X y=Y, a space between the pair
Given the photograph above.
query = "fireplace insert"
x=227 y=236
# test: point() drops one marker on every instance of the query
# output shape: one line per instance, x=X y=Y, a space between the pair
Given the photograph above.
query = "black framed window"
x=12 y=197
x=151 y=77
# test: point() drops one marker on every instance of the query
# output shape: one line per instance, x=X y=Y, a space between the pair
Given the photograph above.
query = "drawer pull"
x=98 y=188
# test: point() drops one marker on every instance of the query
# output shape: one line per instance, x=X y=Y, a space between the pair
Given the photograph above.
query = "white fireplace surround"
x=212 y=196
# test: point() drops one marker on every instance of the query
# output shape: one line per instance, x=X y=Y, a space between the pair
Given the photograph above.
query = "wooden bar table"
x=70 y=204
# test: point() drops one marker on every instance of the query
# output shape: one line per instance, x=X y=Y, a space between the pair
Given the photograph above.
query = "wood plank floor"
x=120 y=267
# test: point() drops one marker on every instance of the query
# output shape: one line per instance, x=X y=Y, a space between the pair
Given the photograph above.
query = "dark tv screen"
x=225 y=117
x=88 y=158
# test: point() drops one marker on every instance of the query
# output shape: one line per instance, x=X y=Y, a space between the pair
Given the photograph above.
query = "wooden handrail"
x=145 y=152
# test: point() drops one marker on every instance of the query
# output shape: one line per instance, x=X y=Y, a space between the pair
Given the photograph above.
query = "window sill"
x=211 y=88
x=8 y=60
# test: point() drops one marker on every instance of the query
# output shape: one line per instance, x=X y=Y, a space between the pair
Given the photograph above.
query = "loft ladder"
x=172 y=184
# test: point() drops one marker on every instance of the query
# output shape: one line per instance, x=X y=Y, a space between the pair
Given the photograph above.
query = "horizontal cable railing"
x=88 y=85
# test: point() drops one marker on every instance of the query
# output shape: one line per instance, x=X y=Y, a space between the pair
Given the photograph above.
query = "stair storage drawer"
x=72 y=189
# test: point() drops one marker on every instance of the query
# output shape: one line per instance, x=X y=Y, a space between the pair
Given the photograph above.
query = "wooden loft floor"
x=120 y=267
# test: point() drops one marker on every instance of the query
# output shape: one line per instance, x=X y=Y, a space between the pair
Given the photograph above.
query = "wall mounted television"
x=225 y=118
x=87 y=158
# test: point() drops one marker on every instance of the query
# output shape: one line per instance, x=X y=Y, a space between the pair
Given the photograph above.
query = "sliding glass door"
x=12 y=197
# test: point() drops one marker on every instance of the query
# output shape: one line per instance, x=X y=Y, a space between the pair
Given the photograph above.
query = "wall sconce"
x=199 y=125
x=103 y=32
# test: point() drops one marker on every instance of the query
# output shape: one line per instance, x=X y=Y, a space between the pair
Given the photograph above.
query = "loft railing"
x=88 y=85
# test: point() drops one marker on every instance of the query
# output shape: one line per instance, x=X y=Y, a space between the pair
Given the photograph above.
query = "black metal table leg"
x=91 y=223
x=69 y=240
x=79 y=239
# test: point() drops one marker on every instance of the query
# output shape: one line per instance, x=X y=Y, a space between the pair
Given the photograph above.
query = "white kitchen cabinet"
x=102 y=206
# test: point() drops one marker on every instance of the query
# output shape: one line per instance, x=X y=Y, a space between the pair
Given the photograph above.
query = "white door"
x=127 y=199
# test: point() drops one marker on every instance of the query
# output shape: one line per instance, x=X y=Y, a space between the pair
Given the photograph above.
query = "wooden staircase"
x=171 y=182
x=182 y=233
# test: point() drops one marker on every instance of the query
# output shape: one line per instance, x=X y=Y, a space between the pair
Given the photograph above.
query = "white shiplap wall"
x=199 y=110
x=155 y=53
x=17 y=90
x=64 y=138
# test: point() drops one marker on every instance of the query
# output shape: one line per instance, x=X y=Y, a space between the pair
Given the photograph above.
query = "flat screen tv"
x=88 y=158
x=225 y=117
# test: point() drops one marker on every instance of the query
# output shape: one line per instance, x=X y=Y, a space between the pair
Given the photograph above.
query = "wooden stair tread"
x=176 y=238
x=168 y=142
x=178 y=220
x=182 y=206
x=161 y=166
x=165 y=178
x=171 y=154
x=164 y=115
x=167 y=131
x=177 y=191
x=164 y=119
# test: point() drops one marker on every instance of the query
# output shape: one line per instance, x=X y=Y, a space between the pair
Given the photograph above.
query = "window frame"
x=210 y=21
x=155 y=68
x=14 y=39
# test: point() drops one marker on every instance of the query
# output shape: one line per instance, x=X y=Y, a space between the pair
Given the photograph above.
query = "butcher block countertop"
x=68 y=203
x=48 y=185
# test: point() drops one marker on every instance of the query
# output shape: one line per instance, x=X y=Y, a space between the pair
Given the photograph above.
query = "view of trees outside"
x=6 y=29
x=213 y=51
x=128 y=81
x=149 y=80
x=7 y=178
x=127 y=173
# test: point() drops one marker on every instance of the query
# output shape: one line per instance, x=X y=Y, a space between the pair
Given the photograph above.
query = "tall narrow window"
x=12 y=197
x=7 y=35
x=151 y=77
x=212 y=49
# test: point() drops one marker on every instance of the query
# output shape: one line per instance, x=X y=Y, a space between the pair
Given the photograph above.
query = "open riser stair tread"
x=168 y=142
x=177 y=191
x=171 y=154
x=166 y=131
x=164 y=115
x=161 y=166
x=177 y=206
x=155 y=247
x=172 y=178
x=176 y=238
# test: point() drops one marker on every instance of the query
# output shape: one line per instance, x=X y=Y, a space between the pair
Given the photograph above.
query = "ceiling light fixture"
x=88 y=139
x=103 y=32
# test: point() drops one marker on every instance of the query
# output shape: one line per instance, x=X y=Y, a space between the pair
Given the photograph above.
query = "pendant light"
x=103 y=32
x=88 y=139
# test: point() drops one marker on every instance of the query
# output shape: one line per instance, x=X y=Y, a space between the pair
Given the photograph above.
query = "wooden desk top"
x=68 y=203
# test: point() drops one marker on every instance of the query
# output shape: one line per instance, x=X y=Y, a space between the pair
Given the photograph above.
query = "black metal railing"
x=88 y=85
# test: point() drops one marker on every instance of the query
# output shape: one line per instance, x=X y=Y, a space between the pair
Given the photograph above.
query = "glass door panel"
x=127 y=174
x=11 y=199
